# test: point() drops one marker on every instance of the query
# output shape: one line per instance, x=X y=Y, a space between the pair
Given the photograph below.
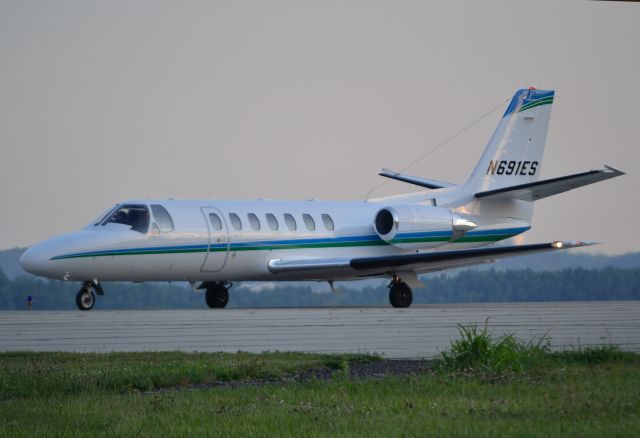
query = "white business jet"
x=212 y=243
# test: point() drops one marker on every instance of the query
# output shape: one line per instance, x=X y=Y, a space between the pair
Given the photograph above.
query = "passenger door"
x=218 y=248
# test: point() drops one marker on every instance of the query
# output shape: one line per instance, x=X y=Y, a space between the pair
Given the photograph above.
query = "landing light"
x=557 y=244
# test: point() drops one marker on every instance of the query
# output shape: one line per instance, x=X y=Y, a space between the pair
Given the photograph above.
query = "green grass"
x=479 y=350
x=481 y=353
x=588 y=392
x=44 y=374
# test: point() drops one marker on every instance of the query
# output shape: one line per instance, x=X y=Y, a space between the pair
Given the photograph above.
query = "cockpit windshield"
x=134 y=215
x=97 y=221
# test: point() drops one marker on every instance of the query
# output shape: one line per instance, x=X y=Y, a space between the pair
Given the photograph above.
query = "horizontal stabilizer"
x=541 y=189
x=415 y=180
x=422 y=262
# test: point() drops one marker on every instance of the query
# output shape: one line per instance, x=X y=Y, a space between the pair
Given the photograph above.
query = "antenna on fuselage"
x=366 y=196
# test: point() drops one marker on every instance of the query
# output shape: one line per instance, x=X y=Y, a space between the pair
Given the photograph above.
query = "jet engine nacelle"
x=416 y=226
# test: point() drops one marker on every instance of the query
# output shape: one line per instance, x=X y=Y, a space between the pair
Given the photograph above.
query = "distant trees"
x=528 y=285
x=465 y=287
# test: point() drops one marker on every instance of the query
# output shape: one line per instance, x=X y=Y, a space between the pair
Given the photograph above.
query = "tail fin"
x=514 y=153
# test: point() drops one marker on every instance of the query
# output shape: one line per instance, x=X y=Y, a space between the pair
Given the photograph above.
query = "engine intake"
x=385 y=221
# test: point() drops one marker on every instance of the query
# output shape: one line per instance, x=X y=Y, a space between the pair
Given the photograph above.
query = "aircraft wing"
x=541 y=189
x=423 y=262
x=415 y=180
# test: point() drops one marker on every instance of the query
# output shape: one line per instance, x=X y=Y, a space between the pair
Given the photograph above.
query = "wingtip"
x=565 y=244
x=614 y=170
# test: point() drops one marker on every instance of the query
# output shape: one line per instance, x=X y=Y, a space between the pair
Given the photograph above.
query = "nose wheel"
x=86 y=298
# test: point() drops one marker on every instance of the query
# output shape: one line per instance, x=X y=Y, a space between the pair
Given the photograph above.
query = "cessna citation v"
x=212 y=243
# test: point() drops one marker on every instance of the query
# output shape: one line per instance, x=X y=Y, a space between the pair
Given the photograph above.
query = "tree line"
x=465 y=287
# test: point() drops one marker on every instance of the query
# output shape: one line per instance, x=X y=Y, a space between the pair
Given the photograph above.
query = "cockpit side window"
x=134 y=215
x=162 y=217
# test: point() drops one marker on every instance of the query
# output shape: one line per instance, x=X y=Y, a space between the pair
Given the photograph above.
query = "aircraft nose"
x=34 y=260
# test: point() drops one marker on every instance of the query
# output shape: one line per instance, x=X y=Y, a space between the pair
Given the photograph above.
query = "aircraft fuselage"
x=203 y=248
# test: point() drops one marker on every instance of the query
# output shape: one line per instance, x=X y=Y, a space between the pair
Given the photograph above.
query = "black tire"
x=217 y=297
x=85 y=299
x=400 y=295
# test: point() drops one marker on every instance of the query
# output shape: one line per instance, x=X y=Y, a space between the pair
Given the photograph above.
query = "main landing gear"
x=217 y=293
x=86 y=299
x=400 y=294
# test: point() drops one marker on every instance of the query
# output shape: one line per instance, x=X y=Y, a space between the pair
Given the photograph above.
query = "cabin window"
x=272 y=221
x=328 y=222
x=309 y=222
x=163 y=219
x=236 y=223
x=216 y=222
x=134 y=215
x=254 y=221
x=290 y=221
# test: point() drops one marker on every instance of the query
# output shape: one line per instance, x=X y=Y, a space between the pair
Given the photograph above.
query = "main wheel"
x=217 y=297
x=400 y=295
x=85 y=299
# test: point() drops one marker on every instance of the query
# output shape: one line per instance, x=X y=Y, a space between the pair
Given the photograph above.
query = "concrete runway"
x=420 y=331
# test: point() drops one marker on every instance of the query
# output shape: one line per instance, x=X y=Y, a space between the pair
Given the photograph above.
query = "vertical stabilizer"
x=513 y=155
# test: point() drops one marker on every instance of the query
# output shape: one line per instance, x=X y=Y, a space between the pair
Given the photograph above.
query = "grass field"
x=595 y=392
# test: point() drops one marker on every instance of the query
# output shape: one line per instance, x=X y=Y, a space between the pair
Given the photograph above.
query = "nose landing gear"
x=217 y=293
x=86 y=299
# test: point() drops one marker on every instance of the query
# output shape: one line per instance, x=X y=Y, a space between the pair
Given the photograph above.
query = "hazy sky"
x=103 y=101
